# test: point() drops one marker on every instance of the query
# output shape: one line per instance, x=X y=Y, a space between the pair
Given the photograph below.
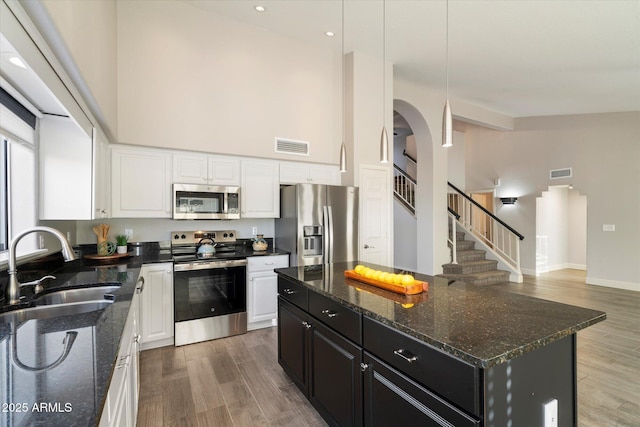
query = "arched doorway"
x=561 y=229
x=414 y=238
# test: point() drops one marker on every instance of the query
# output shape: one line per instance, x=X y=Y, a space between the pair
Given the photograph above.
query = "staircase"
x=472 y=266
x=404 y=189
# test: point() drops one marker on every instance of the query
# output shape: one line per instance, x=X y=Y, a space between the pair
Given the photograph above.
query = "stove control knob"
x=230 y=234
x=226 y=235
x=176 y=237
x=183 y=237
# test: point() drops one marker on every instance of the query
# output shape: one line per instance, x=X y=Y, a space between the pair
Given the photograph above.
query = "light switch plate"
x=551 y=413
x=129 y=233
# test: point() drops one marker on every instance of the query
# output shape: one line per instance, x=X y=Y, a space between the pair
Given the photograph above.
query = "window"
x=18 y=192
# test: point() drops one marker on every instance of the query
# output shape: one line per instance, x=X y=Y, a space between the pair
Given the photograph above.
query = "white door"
x=375 y=219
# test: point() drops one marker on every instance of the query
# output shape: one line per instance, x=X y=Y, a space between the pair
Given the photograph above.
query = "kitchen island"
x=455 y=355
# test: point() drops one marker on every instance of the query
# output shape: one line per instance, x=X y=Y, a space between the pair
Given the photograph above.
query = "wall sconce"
x=508 y=200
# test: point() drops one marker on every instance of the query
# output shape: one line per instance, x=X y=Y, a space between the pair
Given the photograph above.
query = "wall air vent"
x=560 y=173
x=290 y=146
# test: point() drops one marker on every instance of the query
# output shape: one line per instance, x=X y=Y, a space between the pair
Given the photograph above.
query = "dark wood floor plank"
x=177 y=402
x=215 y=417
x=205 y=389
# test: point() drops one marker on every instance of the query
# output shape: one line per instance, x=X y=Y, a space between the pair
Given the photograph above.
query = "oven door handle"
x=190 y=266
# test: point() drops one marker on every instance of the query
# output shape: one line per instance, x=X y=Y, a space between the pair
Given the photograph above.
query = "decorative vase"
x=121 y=249
x=259 y=244
x=106 y=248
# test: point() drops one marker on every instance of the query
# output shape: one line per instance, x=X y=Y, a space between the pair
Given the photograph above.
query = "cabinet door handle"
x=405 y=355
x=329 y=313
x=307 y=325
x=125 y=363
x=268 y=263
x=363 y=367
x=141 y=287
x=289 y=291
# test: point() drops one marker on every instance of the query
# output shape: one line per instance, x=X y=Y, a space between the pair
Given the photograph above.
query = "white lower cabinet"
x=262 y=289
x=156 y=305
x=121 y=405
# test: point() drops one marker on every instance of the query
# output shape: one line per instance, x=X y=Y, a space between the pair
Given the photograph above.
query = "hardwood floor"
x=234 y=381
x=237 y=381
x=608 y=352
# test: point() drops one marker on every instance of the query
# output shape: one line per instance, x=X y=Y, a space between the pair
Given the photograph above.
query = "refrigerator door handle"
x=331 y=235
x=326 y=236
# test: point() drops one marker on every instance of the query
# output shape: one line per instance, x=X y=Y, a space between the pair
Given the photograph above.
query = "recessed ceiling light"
x=329 y=34
x=260 y=8
x=17 y=62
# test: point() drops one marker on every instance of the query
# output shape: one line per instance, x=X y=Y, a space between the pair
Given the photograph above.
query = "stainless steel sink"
x=47 y=311
x=66 y=296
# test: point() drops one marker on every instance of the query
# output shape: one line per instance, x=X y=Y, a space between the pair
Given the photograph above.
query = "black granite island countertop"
x=36 y=390
x=480 y=325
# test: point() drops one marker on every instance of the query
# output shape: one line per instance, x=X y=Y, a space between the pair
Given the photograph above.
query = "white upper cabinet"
x=67 y=170
x=195 y=168
x=259 y=189
x=309 y=173
x=101 y=174
x=140 y=183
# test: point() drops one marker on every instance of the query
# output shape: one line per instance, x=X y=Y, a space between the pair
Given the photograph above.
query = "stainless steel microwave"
x=196 y=201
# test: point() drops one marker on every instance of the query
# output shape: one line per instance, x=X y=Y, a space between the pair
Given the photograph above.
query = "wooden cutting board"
x=412 y=289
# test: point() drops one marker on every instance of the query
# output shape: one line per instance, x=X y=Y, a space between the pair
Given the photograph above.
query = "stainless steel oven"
x=210 y=292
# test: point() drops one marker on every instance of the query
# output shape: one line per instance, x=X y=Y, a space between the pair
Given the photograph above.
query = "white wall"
x=561 y=227
x=577 y=236
x=194 y=80
x=405 y=238
x=88 y=31
x=551 y=229
x=456 y=161
x=604 y=153
x=154 y=230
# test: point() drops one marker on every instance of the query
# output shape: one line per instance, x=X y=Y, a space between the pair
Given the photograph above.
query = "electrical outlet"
x=254 y=230
x=551 y=413
x=40 y=242
x=608 y=227
x=129 y=233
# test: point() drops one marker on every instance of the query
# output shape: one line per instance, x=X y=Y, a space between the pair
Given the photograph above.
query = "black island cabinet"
x=364 y=356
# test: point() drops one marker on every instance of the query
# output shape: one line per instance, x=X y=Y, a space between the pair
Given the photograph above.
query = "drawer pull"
x=405 y=355
x=307 y=325
x=329 y=313
x=289 y=291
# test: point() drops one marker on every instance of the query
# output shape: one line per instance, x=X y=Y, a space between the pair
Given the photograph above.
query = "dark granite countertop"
x=75 y=389
x=480 y=325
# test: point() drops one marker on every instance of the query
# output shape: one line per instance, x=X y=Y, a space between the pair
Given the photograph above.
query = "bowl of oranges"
x=400 y=283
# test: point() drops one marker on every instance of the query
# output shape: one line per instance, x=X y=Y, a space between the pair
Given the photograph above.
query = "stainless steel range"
x=210 y=294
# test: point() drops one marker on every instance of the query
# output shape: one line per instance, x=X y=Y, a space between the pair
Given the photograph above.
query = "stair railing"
x=453 y=217
x=404 y=188
x=495 y=233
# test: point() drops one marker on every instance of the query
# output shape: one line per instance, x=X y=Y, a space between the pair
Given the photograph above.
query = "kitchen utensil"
x=206 y=248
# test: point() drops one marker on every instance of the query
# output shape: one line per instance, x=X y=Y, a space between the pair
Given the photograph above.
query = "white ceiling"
x=517 y=57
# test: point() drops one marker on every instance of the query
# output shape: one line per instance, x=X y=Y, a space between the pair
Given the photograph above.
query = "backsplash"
x=157 y=229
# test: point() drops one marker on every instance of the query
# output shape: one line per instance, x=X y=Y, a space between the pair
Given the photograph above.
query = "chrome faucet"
x=12 y=293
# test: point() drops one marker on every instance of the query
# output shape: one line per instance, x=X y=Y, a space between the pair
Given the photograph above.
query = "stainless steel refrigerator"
x=318 y=224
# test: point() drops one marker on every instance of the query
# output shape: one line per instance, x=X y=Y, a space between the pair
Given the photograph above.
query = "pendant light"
x=343 y=149
x=447 y=120
x=384 y=138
